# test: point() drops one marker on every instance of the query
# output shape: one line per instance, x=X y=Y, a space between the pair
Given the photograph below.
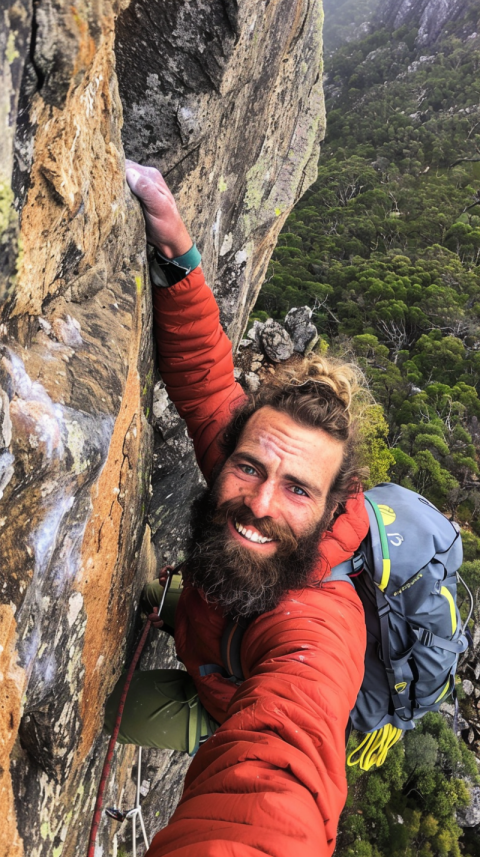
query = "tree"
x=374 y=451
x=421 y=751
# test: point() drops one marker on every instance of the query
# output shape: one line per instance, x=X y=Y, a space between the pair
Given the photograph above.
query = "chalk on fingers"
x=133 y=177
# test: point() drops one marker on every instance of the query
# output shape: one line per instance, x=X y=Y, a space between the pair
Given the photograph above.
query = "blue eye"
x=248 y=469
x=295 y=489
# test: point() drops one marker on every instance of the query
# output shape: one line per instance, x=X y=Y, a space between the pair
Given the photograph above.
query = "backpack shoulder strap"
x=343 y=570
x=382 y=534
x=230 y=646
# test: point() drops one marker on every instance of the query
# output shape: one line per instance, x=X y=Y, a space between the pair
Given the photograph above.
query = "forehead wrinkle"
x=276 y=445
x=282 y=441
x=273 y=448
x=292 y=446
x=264 y=444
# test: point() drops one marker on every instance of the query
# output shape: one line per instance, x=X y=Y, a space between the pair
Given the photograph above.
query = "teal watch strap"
x=167 y=272
x=189 y=260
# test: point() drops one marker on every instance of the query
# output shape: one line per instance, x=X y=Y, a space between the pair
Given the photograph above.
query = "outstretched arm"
x=272 y=778
x=194 y=353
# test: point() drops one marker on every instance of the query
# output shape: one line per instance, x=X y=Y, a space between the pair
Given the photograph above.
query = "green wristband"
x=189 y=260
x=167 y=272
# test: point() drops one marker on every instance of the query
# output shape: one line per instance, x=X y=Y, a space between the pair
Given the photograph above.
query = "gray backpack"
x=405 y=573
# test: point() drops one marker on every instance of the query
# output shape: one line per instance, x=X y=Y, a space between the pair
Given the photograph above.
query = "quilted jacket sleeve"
x=272 y=778
x=195 y=360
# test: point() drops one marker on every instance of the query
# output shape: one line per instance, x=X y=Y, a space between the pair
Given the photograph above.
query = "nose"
x=262 y=500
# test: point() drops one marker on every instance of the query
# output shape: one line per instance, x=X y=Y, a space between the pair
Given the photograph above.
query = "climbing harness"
x=112 y=811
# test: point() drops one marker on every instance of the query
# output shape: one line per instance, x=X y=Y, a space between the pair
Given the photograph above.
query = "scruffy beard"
x=241 y=580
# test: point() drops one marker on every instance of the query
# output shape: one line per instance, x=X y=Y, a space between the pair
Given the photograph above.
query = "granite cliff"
x=348 y=20
x=430 y=16
x=225 y=97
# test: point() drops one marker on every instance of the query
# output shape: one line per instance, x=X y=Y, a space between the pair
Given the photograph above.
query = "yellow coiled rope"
x=374 y=747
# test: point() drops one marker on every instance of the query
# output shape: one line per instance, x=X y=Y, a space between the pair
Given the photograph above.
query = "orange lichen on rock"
x=13 y=681
x=77 y=183
x=106 y=604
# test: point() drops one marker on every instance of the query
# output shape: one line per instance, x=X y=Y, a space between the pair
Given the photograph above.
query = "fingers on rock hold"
x=133 y=178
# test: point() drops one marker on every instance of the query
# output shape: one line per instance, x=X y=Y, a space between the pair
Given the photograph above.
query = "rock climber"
x=283 y=506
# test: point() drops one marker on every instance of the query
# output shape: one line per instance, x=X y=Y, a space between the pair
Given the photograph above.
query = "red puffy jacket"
x=272 y=778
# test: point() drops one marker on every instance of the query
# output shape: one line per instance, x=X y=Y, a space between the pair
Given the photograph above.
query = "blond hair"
x=345 y=380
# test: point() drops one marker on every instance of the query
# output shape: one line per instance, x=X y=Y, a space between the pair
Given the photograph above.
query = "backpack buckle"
x=425 y=637
x=358 y=562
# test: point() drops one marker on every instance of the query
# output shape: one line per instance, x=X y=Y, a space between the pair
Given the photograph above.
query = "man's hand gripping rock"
x=165 y=228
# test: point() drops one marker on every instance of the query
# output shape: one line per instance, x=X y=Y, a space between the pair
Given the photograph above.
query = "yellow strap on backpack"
x=374 y=747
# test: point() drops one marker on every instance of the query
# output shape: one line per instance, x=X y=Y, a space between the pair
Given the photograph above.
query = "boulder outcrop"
x=226 y=99
x=304 y=334
x=277 y=342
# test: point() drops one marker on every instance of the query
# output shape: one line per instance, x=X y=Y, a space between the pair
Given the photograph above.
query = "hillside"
x=434 y=18
x=385 y=247
x=344 y=17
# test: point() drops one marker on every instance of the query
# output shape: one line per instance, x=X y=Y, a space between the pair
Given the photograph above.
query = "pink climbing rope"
x=97 y=814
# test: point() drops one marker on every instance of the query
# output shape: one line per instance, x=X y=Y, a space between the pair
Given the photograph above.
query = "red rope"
x=166 y=572
x=97 y=815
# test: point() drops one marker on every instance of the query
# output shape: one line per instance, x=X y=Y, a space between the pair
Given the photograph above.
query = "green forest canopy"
x=385 y=247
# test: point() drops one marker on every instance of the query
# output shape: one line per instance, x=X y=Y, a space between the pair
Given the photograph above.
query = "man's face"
x=256 y=533
x=282 y=471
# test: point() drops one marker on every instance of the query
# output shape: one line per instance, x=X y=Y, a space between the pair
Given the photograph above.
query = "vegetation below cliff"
x=386 y=248
x=407 y=807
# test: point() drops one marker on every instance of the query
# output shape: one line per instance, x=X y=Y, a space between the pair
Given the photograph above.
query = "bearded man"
x=283 y=507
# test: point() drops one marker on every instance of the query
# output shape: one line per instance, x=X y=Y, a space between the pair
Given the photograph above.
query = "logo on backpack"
x=409 y=583
x=388 y=515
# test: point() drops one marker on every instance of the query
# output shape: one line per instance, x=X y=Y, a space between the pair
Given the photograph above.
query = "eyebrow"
x=288 y=477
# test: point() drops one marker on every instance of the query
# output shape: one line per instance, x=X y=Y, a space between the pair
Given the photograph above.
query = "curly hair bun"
x=345 y=380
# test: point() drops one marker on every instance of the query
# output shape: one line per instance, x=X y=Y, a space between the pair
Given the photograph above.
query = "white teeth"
x=251 y=536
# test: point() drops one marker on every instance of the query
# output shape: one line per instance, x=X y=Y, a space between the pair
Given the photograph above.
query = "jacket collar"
x=346 y=535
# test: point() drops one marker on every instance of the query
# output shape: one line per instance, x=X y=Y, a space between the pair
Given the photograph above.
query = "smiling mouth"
x=250 y=535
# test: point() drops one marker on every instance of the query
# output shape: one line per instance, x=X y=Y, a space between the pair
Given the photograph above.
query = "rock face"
x=226 y=98
x=217 y=116
x=430 y=16
x=76 y=377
